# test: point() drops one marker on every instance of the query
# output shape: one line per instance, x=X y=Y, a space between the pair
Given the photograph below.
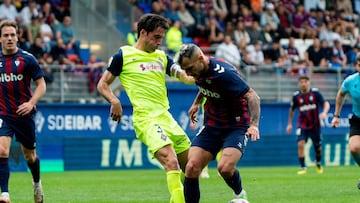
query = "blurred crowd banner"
x=82 y=137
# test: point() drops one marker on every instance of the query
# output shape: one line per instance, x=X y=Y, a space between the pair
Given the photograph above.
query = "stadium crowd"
x=290 y=35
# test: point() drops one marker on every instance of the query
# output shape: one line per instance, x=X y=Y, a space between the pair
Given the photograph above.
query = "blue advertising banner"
x=82 y=136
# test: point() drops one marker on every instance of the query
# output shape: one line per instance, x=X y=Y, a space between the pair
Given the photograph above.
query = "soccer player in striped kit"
x=309 y=102
x=17 y=106
x=231 y=116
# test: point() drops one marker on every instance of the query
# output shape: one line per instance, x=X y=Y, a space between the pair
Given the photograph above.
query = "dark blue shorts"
x=354 y=125
x=23 y=128
x=214 y=139
x=314 y=135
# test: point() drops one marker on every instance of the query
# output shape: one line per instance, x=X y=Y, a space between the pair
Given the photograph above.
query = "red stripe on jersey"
x=10 y=87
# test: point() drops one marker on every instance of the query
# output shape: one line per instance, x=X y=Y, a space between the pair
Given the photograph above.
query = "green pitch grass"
x=263 y=184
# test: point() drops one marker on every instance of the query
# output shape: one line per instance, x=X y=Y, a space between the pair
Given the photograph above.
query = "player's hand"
x=24 y=109
x=335 y=122
x=253 y=132
x=193 y=113
x=116 y=112
x=288 y=129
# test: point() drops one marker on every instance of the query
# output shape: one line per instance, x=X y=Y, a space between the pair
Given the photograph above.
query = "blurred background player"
x=308 y=101
x=142 y=69
x=351 y=86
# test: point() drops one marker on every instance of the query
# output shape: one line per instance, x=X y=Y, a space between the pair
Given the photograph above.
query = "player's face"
x=9 y=40
x=153 y=39
x=304 y=85
x=193 y=66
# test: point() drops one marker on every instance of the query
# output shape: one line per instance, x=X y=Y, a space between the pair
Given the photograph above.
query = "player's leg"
x=168 y=159
x=233 y=148
x=5 y=142
x=198 y=159
x=316 y=139
x=301 y=140
x=354 y=140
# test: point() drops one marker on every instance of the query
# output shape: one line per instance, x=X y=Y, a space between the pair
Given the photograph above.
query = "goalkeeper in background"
x=142 y=69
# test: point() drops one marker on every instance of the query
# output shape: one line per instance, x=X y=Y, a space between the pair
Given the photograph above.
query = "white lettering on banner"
x=344 y=121
x=74 y=122
x=125 y=155
x=332 y=154
x=126 y=122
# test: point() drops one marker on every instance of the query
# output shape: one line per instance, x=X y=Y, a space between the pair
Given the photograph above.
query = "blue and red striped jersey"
x=224 y=88
x=309 y=105
x=16 y=72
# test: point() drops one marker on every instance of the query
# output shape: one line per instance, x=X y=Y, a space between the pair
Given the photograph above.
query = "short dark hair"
x=150 y=22
x=6 y=23
x=303 y=77
x=186 y=50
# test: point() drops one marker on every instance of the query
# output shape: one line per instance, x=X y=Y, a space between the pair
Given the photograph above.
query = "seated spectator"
x=338 y=58
x=47 y=35
x=59 y=54
x=34 y=28
x=47 y=14
x=274 y=56
x=315 y=56
x=269 y=17
x=186 y=19
x=38 y=48
x=24 y=37
x=200 y=21
x=132 y=35
x=229 y=52
x=46 y=67
x=173 y=38
x=8 y=11
x=171 y=13
x=284 y=17
x=28 y=11
x=298 y=20
x=255 y=33
x=96 y=66
x=241 y=34
x=66 y=32
x=215 y=33
x=255 y=54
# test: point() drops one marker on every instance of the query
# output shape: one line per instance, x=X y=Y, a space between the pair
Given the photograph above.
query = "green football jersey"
x=143 y=78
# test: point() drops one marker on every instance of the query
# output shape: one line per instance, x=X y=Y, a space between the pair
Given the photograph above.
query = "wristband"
x=337 y=116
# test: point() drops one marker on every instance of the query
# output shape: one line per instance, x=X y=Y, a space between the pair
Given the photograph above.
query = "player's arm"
x=105 y=90
x=195 y=107
x=340 y=97
x=326 y=108
x=174 y=70
x=290 y=119
x=26 y=107
x=253 y=101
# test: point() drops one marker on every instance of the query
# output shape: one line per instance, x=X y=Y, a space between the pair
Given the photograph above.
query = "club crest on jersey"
x=208 y=81
x=17 y=62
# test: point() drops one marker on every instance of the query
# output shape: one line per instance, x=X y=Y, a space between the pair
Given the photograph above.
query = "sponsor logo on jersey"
x=209 y=93
x=10 y=77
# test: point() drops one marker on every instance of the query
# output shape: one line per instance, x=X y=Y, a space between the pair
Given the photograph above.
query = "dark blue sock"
x=191 y=190
x=35 y=169
x=302 y=162
x=235 y=182
x=4 y=174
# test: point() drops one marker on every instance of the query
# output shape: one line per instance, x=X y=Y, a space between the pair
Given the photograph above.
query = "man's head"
x=192 y=60
x=151 y=30
x=8 y=36
x=304 y=83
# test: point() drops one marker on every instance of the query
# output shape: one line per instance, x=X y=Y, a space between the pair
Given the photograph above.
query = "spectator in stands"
x=240 y=34
x=171 y=12
x=46 y=67
x=270 y=17
x=24 y=38
x=327 y=33
x=132 y=35
x=255 y=33
x=255 y=54
x=220 y=8
x=8 y=11
x=66 y=32
x=338 y=57
x=34 y=28
x=28 y=11
x=310 y=25
x=234 y=14
x=200 y=21
x=215 y=33
x=48 y=15
x=228 y=51
x=38 y=48
x=47 y=34
x=285 y=21
x=315 y=56
x=61 y=10
x=173 y=38
x=158 y=7
x=186 y=19
x=95 y=66
x=298 y=19
x=58 y=52
x=247 y=17
x=274 y=56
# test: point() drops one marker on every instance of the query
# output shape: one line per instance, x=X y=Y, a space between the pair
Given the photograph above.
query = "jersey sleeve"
x=346 y=85
x=233 y=83
x=172 y=68
x=115 y=63
x=35 y=69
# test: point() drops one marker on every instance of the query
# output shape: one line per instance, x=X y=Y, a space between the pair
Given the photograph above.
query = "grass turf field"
x=263 y=184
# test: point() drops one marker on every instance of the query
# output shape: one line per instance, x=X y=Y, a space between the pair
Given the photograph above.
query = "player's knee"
x=30 y=157
x=192 y=169
x=354 y=149
x=226 y=170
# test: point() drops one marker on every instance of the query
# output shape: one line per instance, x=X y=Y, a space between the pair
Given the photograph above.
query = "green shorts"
x=160 y=131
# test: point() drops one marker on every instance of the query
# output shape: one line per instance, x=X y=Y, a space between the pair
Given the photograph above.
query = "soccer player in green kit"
x=142 y=69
